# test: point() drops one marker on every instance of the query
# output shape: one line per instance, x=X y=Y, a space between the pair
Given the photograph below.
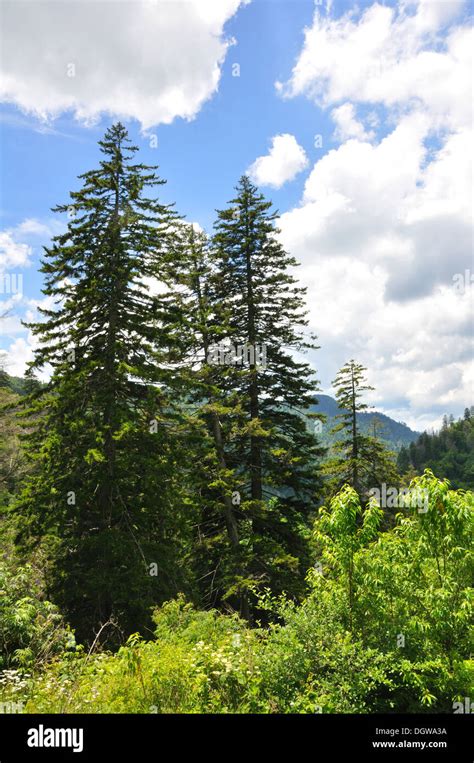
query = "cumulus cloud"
x=152 y=60
x=17 y=342
x=347 y=124
x=283 y=162
x=386 y=204
x=390 y=56
x=16 y=243
x=419 y=355
x=384 y=226
x=32 y=227
x=17 y=247
x=13 y=254
x=18 y=355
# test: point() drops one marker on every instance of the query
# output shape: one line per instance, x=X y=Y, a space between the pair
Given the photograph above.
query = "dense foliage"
x=384 y=627
x=91 y=498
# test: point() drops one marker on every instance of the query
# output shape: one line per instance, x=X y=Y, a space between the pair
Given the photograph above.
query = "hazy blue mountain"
x=395 y=433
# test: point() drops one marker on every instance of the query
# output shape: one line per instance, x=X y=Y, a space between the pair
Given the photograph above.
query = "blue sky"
x=200 y=159
x=371 y=213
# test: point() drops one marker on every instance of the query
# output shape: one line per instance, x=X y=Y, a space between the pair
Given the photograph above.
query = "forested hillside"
x=175 y=534
x=449 y=452
x=14 y=383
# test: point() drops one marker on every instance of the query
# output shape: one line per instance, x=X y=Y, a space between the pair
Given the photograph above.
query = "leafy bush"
x=32 y=629
x=385 y=627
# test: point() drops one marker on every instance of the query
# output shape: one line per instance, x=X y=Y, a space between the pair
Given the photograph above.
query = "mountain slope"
x=394 y=433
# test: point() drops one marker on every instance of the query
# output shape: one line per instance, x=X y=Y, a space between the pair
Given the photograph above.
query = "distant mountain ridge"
x=395 y=433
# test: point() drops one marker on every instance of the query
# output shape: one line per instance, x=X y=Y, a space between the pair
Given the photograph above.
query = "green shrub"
x=32 y=629
x=385 y=627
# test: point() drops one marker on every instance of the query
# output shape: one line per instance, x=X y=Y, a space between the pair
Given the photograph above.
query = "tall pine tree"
x=261 y=313
x=106 y=496
x=219 y=556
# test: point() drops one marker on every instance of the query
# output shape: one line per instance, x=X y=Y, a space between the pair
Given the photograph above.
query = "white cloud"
x=19 y=343
x=153 y=60
x=284 y=161
x=418 y=355
x=13 y=254
x=17 y=356
x=387 y=205
x=31 y=227
x=389 y=56
x=432 y=14
x=347 y=125
x=384 y=226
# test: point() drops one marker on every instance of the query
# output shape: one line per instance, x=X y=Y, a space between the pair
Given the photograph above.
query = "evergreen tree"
x=362 y=461
x=106 y=495
x=12 y=464
x=403 y=460
x=350 y=384
x=259 y=320
x=31 y=382
x=218 y=553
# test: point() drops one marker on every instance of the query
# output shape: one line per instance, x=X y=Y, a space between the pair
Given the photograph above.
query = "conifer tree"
x=350 y=384
x=30 y=382
x=261 y=313
x=106 y=494
x=362 y=461
x=11 y=457
x=403 y=460
x=219 y=557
